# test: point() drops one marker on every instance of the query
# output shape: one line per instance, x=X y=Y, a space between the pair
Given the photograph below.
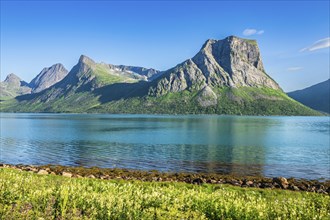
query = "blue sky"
x=293 y=36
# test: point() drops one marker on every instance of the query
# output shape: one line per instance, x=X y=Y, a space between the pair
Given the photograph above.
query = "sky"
x=293 y=36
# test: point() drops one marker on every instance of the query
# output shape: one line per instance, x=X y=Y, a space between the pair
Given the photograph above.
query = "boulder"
x=42 y=172
x=281 y=181
x=67 y=174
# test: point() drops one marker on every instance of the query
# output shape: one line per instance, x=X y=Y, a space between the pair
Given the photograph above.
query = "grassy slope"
x=25 y=195
x=241 y=101
x=106 y=77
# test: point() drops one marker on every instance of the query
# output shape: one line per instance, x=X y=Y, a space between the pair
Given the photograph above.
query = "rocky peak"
x=86 y=60
x=48 y=77
x=230 y=51
x=232 y=62
x=12 y=79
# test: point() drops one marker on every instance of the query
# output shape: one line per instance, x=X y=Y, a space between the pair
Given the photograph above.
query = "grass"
x=25 y=195
x=231 y=101
x=253 y=42
x=105 y=77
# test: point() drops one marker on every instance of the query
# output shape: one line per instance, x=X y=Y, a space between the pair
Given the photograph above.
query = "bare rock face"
x=232 y=62
x=13 y=80
x=186 y=75
x=48 y=77
x=207 y=97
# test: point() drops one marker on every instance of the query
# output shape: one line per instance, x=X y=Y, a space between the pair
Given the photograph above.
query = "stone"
x=281 y=181
x=66 y=174
x=295 y=188
x=42 y=172
x=211 y=181
x=197 y=181
x=249 y=183
x=105 y=177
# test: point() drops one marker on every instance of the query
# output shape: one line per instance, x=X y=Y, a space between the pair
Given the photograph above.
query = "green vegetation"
x=231 y=101
x=253 y=42
x=25 y=195
x=105 y=77
x=76 y=102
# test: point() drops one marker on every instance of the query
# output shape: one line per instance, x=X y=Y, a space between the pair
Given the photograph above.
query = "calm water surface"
x=270 y=146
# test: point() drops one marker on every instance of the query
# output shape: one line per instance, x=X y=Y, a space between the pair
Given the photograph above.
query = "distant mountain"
x=225 y=77
x=48 y=77
x=13 y=86
x=316 y=97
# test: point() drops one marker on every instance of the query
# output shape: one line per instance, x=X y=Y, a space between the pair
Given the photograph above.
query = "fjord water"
x=244 y=145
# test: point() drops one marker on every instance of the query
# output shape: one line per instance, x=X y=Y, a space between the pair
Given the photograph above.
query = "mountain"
x=232 y=62
x=48 y=77
x=13 y=86
x=316 y=97
x=225 y=77
x=81 y=87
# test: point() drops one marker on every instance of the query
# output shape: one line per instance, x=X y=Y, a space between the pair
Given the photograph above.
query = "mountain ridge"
x=225 y=77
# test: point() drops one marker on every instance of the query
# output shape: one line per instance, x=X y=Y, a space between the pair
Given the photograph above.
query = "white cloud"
x=251 y=31
x=317 y=45
x=261 y=32
x=295 y=68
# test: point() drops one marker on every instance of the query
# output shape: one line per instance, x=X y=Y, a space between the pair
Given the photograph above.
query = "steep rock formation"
x=231 y=62
x=48 y=77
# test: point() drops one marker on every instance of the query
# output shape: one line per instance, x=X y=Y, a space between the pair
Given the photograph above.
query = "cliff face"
x=231 y=62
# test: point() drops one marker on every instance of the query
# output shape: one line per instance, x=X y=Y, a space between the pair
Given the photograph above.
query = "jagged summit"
x=86 y=60
x=48 y=77
x=12 y=78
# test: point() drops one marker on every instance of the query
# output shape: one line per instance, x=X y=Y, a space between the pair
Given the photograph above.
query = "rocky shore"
x=193 y=178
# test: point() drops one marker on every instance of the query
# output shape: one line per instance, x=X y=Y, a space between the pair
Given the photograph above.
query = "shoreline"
x=191 y=178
